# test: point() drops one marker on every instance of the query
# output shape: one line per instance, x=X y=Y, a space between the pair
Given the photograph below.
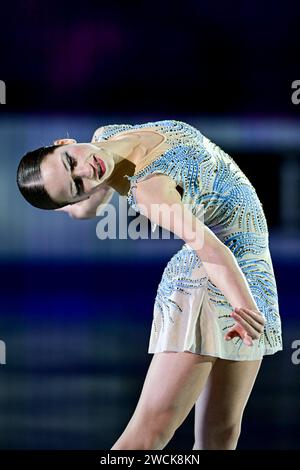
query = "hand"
x=249 y=326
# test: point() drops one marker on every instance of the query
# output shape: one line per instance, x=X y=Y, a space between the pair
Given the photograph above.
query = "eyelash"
x=78 y=181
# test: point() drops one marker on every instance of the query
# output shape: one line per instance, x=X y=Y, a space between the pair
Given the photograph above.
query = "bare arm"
x=159 y=192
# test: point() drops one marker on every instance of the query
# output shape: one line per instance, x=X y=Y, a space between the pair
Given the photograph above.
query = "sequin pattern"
x=210 y=179
x=177 y=276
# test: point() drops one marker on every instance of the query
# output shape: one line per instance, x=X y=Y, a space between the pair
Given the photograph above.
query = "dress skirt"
x=191 y=314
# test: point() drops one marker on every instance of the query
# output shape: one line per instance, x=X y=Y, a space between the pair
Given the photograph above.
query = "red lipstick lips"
x=101 y=164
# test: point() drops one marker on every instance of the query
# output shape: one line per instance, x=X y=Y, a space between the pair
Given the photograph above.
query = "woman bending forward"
x=216 y=309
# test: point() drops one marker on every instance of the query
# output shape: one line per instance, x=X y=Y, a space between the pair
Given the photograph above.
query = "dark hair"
x=29 y=179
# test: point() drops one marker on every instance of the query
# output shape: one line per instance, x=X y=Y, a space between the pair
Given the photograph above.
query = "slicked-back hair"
x=29 y=179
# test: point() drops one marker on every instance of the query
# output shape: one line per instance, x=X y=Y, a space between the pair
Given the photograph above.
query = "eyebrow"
x=64 y=163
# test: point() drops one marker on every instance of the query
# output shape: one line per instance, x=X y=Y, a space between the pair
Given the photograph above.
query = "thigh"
x=173 y=383
x=226 y=394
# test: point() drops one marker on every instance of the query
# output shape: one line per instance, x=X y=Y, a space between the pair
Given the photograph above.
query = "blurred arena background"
x=76 y=311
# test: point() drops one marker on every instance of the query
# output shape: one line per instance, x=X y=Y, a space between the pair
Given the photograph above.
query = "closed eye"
x=79 y=186
x=78 y=181
x=71 y=161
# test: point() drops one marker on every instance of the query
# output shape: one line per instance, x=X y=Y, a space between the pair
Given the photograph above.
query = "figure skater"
x=216 y=311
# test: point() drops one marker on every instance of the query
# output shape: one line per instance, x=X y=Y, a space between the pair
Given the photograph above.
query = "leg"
x=219 y=409
x=172 y=385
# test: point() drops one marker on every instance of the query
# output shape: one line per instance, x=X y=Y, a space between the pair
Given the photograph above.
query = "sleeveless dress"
x=190 y=313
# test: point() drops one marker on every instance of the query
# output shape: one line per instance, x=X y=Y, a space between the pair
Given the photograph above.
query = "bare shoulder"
x=97 y=133
x=124 y=135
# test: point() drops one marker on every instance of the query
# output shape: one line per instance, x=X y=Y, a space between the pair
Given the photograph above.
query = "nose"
x=84 y=171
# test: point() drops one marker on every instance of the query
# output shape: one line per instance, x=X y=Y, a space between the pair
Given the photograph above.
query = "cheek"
x=108 y=159
x=89 y=185
x=81 y=155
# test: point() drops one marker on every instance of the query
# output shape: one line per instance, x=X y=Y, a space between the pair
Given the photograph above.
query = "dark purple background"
x=167 y=57
x=77 y=323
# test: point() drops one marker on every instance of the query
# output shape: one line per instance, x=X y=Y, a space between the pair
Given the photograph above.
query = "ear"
x=64 y=141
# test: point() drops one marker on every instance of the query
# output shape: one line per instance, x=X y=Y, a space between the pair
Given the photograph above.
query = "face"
x=74 y=171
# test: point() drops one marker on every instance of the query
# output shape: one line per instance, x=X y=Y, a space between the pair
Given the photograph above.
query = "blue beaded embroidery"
x=232 y=210
x=177 y=276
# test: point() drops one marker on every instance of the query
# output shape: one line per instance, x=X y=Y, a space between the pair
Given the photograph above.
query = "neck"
x=126 y=152
x=122 y=148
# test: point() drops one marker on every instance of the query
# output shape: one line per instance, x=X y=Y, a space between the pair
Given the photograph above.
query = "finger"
x=253 y=313
x=247 y=340
x=244 y=323
x=242 y=334
x=230 y=334
x=256 y=325
x=235 y=330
